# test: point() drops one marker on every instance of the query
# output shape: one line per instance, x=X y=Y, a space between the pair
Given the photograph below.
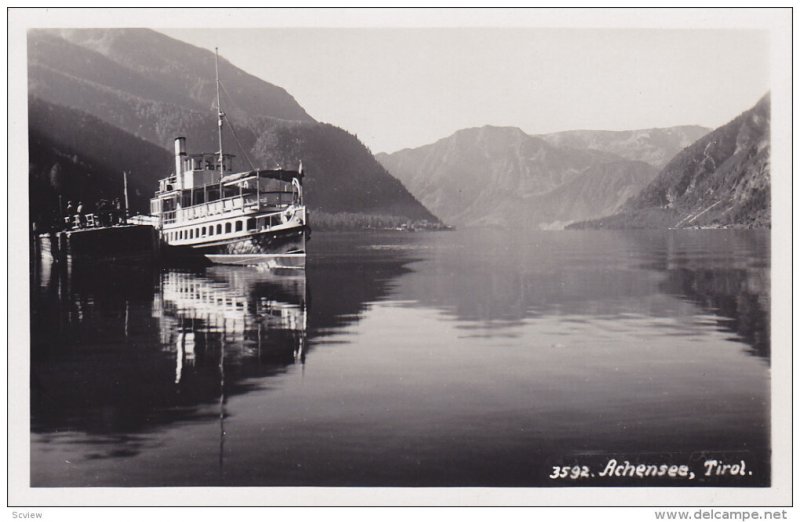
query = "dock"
x=120 y=243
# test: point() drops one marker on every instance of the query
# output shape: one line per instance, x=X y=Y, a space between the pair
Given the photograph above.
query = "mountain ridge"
x=185 y=68
x=499 y=168
x=156 y=88
x=721 y=180
x=655 y=146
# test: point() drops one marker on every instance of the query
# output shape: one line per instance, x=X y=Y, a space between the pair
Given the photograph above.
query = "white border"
x=777 y=22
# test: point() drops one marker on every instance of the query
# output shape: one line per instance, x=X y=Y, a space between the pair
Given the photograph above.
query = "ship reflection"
x=124 y=352
x=237 y=320
x=232 y=317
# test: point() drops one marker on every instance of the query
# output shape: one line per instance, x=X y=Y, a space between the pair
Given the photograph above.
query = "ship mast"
x=220 y=114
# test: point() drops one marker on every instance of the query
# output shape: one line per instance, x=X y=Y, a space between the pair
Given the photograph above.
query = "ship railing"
x=103 y=218
x=264 y=200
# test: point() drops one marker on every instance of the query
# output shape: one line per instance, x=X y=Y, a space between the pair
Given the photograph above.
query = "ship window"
x=191 y=234
x=204 y=231
x=251 y=224
x=197 y=232
x=227 y=227
x=239 y=226
x=211 y=230
x=219 y=229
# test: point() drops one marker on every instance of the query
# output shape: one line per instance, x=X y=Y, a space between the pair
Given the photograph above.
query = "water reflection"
x=120 y=354
x=348 y=273
x=731 y=281
x=229 y=313
x=492 y=281
x=473 y=358
x=82 y=306
x=126 y=353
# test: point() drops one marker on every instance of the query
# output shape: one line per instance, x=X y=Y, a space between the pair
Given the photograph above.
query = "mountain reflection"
x=506 y=280
x=734 y=288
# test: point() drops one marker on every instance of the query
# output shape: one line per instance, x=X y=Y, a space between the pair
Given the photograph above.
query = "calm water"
x=468 y=358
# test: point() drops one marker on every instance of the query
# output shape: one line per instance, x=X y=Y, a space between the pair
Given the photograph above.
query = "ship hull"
x=270 y=249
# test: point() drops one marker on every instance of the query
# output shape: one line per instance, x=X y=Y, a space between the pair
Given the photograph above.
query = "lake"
x=461 y=358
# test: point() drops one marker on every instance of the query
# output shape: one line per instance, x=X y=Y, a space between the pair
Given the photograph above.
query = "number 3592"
x=570 y=472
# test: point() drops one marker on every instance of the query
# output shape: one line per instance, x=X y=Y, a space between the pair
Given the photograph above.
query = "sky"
x=403 y=87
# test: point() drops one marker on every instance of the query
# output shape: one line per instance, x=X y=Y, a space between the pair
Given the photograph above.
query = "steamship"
x=255 y=217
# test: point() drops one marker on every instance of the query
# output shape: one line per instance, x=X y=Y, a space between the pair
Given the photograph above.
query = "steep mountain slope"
x=148 y=66
x=653 y=146
x=502 y=176
x=82 y=158
x=156 y=88
x=600 y=191
x=361 y=184
x=723 y=179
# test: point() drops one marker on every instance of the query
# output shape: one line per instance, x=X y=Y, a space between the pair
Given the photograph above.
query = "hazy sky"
x=400 y=88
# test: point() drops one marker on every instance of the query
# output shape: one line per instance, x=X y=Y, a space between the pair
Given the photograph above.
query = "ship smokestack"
x=180 y=154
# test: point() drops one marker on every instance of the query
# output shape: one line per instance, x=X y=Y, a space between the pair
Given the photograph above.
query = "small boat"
x=254 y=218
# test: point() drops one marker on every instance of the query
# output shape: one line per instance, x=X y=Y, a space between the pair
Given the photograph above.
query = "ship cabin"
x=205 y=191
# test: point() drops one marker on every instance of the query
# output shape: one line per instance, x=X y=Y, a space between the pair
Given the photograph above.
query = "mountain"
x=653 y=146
x=504 y=177
x=723 y=179
x=155 y=88
x=132 y=74
x=82 y=158
x=600 y=191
